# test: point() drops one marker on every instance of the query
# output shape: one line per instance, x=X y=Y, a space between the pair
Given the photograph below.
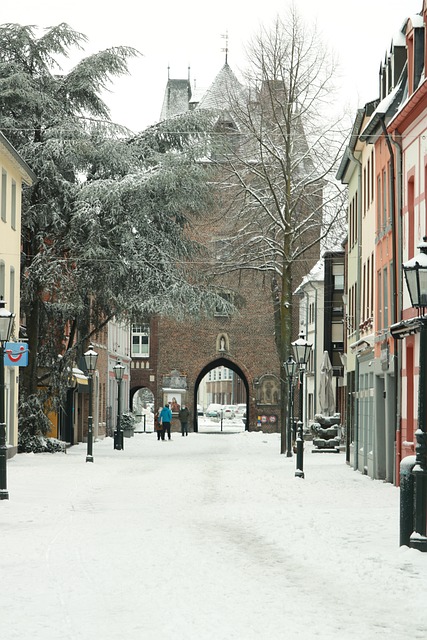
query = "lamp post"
x=415 y=271
x=119 y=370
x=301 y=350
x=90 y=359
x=291 y=369
x=6 y=323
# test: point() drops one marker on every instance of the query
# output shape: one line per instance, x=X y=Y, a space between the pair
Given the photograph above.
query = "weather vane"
x=225 y=35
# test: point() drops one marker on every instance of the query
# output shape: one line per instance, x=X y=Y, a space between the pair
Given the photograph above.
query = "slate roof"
x=176 y=99
x=225 y=85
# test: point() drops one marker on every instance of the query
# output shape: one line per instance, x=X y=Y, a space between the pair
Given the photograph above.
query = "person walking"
x=165 y=420
x=184 y=416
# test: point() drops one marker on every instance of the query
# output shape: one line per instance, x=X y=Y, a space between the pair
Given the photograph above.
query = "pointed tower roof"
x=222 y=88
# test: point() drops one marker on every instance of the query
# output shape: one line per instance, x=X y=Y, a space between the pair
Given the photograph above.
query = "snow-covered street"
x=204 y=537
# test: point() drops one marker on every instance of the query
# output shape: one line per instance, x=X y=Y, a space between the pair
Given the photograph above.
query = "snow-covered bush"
x=39 y=444
x=33 y=426
x=127 y=421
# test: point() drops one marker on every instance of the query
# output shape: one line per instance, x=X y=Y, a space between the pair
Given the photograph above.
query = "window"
x=384 y=198
x=425 y=192
x=12 y=290
x=379 y=204
x=3 y=194
x=2 y=279
x=140 y=341
x=338 y=277
x=13 y=206
x=228 y=297
x=385 y=298
x=364 y=192
x=410 y=243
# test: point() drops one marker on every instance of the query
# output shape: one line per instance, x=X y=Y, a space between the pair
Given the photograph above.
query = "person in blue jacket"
x=165 y=419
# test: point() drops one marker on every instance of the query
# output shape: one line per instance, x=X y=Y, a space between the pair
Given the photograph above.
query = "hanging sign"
x=16 y=354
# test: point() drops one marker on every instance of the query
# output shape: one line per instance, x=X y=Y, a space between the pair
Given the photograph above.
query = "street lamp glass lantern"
x=301 y=350
x=291 y=368
x=415 y=271
x=6 y=322
x=90 y=359
x=119 y=371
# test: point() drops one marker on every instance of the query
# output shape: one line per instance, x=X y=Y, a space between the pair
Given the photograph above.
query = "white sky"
x=207 y=537
x=188 y=32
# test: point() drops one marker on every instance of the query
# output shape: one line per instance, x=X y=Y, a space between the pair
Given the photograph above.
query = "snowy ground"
x=205 y=537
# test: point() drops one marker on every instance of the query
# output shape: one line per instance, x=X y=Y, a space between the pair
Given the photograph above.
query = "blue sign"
x=16 y=354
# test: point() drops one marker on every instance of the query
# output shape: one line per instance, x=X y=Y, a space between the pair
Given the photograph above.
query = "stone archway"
x=221 y=362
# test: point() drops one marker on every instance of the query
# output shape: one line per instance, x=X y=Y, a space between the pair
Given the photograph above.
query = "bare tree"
x=279 y=161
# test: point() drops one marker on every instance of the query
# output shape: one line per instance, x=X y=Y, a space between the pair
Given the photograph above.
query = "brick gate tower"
x=170 y=358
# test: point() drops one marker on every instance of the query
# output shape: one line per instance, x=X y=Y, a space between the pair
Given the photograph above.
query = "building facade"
x=14 y=174
x=384 y=169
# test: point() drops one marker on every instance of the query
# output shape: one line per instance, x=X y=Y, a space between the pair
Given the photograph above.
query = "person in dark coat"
x=184 y=416
x=165 y=420
x=159 y=427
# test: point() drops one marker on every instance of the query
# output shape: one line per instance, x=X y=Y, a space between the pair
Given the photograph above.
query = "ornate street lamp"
x=415 y=271
x=90 y=359
x=119 y=371
x=6 y=324
x=291 y=370
x=301 y=350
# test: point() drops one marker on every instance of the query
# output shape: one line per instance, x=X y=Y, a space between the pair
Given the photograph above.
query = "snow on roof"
x=398 y=40
x=417 y=21
x=316 y=274
x=387 y=107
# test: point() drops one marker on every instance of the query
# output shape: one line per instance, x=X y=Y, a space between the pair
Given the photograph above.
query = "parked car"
x=213 y=413
x=240 y=412
x=199 y=410
x=228 y=411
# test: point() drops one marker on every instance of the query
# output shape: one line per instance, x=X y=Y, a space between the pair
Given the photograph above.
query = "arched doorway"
x=143 y=409
x=241 y=379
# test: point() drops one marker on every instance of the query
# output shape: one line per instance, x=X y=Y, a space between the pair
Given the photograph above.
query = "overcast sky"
x=187 y=33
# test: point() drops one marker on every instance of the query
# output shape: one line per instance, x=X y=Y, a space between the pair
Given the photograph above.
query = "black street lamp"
x=291 y=369
x=415 y=271
x=90 y=359
x=119 y=371
x=6 y=323
x=301 y=350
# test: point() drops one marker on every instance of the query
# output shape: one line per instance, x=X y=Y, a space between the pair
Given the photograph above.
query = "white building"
x=311 y=324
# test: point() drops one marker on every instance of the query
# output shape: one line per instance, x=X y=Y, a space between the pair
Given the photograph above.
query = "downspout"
x=357 y=311
x=396 y=264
